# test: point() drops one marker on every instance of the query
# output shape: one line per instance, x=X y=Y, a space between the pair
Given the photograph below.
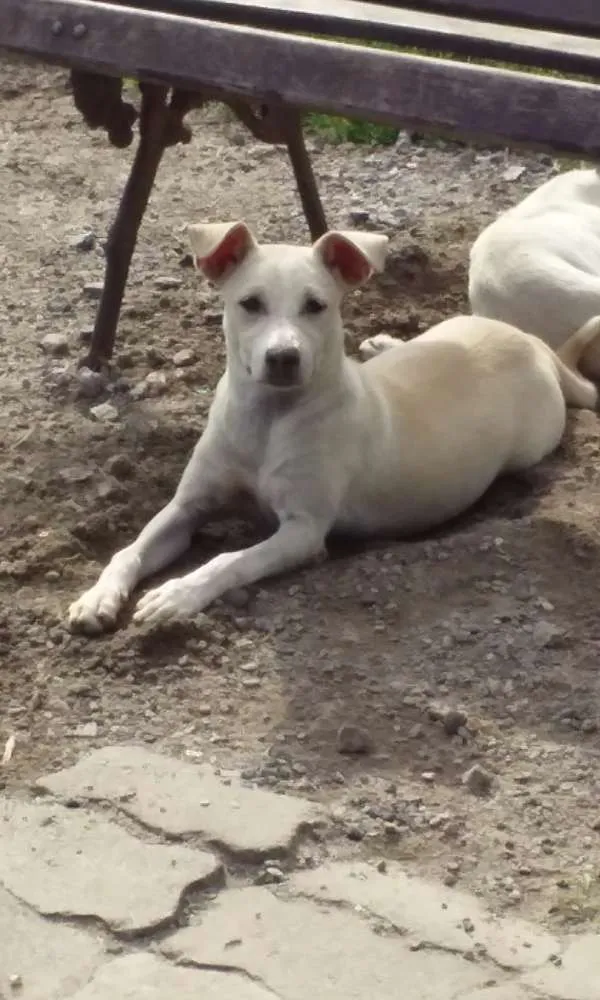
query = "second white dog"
x=400 y=443
x=538 y=265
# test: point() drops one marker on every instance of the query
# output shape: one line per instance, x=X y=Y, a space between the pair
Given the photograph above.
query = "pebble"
x=358 y=216
x=85 y=334
x=90 y=383
x=56 y=344
x=106 y=413
x=184 y=358
x=120 y=466
x=452 y=719
x=353 y=740
x=85 y=242
x=15 y=981
x=167 y=283
x=270 y=876
x=478 y=780
x=93 y=289
x=87 y=729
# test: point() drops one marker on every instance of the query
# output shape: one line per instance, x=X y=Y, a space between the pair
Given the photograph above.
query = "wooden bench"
x=260 y=57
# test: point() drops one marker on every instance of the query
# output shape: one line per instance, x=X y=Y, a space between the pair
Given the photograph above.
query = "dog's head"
x=282 y=303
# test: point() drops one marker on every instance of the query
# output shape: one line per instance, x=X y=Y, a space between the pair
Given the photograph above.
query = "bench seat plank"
x=400 y=26
x=581 y=16
x=408 y=90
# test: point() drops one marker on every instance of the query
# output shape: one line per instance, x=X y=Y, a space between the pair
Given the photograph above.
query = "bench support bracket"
x=161 y=125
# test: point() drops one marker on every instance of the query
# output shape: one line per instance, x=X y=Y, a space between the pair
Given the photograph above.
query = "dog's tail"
x=578 y=390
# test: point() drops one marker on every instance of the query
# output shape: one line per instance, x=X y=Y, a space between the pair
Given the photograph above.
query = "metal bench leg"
x=305 y=178
x=123 y=233
x=283 y=125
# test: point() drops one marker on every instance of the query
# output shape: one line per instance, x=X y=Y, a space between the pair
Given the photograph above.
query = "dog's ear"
x=218 y=248
x=352 y=257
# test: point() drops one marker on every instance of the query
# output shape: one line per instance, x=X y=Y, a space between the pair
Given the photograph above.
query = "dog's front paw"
x=174 y=600
x=372 y=346
x=96 y=611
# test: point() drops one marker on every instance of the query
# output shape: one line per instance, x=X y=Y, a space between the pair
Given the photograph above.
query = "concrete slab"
x=430 y=912
x=143 y=975
x=180 y=798
x=578 y=975
x=67 y=862
x=51 y=960
x=302 y=951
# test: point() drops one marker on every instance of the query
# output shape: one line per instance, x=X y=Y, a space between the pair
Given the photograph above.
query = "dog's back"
x=538 y=265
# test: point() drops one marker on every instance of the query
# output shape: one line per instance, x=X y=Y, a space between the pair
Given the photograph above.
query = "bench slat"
x=581 y=16
x=400 y=26
x=413 y=91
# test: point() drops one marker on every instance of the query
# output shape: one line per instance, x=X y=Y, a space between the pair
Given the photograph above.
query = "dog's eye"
x=312 y=306
x=252 y=304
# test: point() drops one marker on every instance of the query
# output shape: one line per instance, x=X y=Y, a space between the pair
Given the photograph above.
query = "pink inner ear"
x=353 y=267
x=228 y=253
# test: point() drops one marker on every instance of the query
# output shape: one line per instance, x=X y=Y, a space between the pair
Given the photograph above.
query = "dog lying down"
x=538 y=265
x=398 y=444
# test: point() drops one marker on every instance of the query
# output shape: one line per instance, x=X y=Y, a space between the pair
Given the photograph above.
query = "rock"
x=55 y=344
x=120 y=466
x=87 y=729
x=106 y=413
x=167 y=283
x=56 y=959
x=452 y=719
x=295 y=948
x=90 y=383
x=353 y=740
x=239 y=597
x=85 y=334
x=546 y=634
x=184 y=358
x=85 y=242
x=168 y=795
x=358 y=217
x=186 y=260
x=93 y=289
x=68 y=863
x=513 y=172
x=478 y=780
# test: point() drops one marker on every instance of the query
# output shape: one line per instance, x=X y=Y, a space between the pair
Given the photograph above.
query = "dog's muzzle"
x=282 y=366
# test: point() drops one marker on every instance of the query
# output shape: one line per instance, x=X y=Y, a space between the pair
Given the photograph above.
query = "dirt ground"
x=495 y=618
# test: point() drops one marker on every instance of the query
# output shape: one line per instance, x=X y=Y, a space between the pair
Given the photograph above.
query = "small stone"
x=270 y=875
x=155 y=383
x=106 y=413
x=546 y=634
x=186 y=260
x=428 y=776
x=15 y=981
x=478 y=780
x=167 y=283
x=85 y=334
x=93 y=289
x=382 y=866
x=358 y=216
x=56 y=344
x=85 y=242
x=353 y=740
x=184 y=358
x=87 y=729
x=596 y=825
x=513 y=172
x=452 y=719
x=120 y=466
x=90 y=383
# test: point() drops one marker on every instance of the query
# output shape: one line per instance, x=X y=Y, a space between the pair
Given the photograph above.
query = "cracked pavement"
x=132 y=875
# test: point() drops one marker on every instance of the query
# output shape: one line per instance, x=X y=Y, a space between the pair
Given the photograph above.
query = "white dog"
x=538 y=265
x=402 y=442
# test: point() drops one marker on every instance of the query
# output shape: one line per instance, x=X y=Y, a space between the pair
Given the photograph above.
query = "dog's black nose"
x=282 y=364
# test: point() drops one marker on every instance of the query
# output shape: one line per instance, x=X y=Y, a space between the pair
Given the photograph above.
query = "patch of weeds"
x=336 y=130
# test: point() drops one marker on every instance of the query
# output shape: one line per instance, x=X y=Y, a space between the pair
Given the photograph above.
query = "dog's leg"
x=381 y=342
x=297 y=541
x=203 y=485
